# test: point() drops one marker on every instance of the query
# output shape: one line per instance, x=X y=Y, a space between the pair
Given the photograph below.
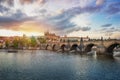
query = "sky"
x=81 y=18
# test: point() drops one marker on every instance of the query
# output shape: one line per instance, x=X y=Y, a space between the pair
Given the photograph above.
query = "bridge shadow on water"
x=110 y=49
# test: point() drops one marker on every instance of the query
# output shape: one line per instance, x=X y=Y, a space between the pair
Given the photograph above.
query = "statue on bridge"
x=81 y=46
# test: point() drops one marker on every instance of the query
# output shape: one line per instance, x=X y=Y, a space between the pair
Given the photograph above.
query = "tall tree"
x=33 y=41
x=15 y=43
x=7 y=43
x=42 y=40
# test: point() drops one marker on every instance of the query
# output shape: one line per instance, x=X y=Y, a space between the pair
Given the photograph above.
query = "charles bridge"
x=101 y=46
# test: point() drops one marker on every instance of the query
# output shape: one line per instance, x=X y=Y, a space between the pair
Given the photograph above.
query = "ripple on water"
x=48 y=65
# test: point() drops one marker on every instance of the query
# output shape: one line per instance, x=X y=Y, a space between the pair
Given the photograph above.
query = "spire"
x=81 y=44
x=68 y=41
x=81 y=40
x=102 y=40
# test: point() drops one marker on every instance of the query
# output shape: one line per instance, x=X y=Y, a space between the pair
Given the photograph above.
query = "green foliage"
x=15 y=43
x=33 y=42
x=25 y=41
x=42 y=40
x=119 y=45
x=7 y=43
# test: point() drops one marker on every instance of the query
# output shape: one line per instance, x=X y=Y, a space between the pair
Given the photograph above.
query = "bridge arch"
x=74 y=47
x=88 y=47
x=111 y=47
x=62 y=47
x=53 y=47
x=46 y=48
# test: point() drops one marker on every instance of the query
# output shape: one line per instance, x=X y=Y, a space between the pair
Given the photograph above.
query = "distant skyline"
x=93 y=18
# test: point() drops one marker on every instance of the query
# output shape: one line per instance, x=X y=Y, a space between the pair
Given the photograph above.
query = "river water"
x=48 y=65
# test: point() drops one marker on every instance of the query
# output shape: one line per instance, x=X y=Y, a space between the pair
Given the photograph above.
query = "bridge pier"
x=81 y=46
x=101 y=50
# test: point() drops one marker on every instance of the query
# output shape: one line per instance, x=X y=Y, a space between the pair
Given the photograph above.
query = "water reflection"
x=47 y=65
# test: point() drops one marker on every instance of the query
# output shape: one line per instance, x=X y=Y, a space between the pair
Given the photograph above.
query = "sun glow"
x=31 y=27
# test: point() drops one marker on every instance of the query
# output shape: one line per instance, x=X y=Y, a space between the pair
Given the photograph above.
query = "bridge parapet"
x=87 y=44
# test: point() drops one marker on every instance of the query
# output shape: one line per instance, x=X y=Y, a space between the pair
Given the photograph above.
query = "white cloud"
x=84 y=3
x=82 y=20
x=91 y=34
x=116 y=35
x=4 y=32
x=1 y=14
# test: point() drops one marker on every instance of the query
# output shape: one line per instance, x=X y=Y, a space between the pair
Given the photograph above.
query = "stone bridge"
x=101 y=46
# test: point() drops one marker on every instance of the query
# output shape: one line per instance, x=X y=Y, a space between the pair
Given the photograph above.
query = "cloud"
x=99 y=2
x=5 y=6
x=72 y=30
x=27 y=24
x=106 y=25
x=116 y=35
x=14 y=20
x=8 y=22
x=41 y=1
x=84 y=3
x=73 y=17
x=110 y=31
x=26 y=1
x=8 y=2
x=32 y=1
x=43 y=11
x=113 y=8
x=3 y=9
x=77 y=29
x=85 y=28
x=82 y=20
x=33 y=26
x=63 y=16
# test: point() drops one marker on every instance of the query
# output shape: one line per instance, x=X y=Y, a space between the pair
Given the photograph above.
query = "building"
x=51 y=37
x=3 y=40
x=73 y=39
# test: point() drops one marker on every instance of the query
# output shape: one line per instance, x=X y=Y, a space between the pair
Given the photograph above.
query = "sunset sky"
x=93 y=18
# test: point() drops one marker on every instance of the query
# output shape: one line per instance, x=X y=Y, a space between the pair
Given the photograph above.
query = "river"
x=48 y=65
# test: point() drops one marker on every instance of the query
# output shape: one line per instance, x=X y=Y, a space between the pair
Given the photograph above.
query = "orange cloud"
x=32 y=26
x=25 y=1
x=28 y=27
x=30 y=1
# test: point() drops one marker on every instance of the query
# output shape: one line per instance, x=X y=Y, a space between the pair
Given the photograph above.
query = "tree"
x=33 y=41
x=7 y=43
x=42 y=40
x=25 y=41
x=15 y=43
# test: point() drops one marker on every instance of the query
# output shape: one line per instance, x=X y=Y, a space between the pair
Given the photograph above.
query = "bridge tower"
x=68 y=44
x=102 y=41
x=101 y=47
x=81 y=47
